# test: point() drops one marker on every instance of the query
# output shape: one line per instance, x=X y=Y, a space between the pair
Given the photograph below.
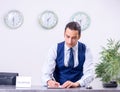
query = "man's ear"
x=64 y=34
x=79 y=36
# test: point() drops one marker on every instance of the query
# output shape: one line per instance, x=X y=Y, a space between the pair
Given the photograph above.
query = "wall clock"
x=48 y=19
x=13 y=19
x=82 y=18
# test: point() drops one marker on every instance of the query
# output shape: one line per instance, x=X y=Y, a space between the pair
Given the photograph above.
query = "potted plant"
x=108 y=69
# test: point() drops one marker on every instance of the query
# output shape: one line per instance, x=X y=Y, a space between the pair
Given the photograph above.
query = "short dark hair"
x=74 y=26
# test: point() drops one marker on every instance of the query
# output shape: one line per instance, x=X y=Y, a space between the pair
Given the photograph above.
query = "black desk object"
x=8 y=78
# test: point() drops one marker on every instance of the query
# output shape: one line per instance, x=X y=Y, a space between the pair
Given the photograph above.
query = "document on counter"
x=55 y=87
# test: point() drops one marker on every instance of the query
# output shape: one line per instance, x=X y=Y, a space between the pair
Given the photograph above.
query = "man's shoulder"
x=60 y=45
x=81 y=43
x=87 y=46
x=55 y=46
x=62 y=42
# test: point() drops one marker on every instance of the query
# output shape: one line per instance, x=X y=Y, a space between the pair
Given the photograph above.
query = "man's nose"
x=70 y=41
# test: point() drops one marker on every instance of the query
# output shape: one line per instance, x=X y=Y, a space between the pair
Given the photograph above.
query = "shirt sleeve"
x=49 y=65
x=88 y=70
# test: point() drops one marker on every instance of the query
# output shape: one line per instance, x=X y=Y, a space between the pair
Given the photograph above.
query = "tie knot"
x=71 y=49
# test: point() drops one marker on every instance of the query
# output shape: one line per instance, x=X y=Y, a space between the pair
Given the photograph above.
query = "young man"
x=64 y=69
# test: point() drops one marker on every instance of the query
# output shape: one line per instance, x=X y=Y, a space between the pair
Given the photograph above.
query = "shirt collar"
x=74 y=48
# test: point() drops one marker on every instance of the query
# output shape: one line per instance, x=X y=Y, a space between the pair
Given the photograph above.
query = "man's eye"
x=68 y=36
x=74 y=38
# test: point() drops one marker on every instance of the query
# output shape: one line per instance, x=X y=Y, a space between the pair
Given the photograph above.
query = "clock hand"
x=80 y=21
x=13 y=19
x=48 y=19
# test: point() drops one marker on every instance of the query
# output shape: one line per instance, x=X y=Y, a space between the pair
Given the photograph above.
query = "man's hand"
x=69 y=84
x=52 y=83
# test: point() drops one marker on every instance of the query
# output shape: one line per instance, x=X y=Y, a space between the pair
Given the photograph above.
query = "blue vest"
x=63 y=73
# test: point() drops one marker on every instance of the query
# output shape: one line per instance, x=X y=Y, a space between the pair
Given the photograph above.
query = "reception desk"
x=45 y=89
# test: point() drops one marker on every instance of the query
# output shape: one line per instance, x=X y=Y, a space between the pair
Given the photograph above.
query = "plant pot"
x=111 y=84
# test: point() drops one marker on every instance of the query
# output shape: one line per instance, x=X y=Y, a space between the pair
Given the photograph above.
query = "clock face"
x=48 y=19
x=13 y=19
x=82 y=18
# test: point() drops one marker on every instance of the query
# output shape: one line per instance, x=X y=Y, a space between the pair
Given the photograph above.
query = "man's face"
x=71 y=37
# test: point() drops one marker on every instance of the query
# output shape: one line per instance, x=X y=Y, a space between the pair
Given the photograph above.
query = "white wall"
x=24 y=50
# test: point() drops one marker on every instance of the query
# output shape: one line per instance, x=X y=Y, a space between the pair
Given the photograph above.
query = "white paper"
x=23 y=81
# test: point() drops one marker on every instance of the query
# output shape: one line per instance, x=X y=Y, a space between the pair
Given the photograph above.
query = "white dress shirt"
x=49 y=66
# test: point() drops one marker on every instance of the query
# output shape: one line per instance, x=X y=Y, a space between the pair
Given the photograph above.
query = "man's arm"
x=49 y=66
x=88 y=74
